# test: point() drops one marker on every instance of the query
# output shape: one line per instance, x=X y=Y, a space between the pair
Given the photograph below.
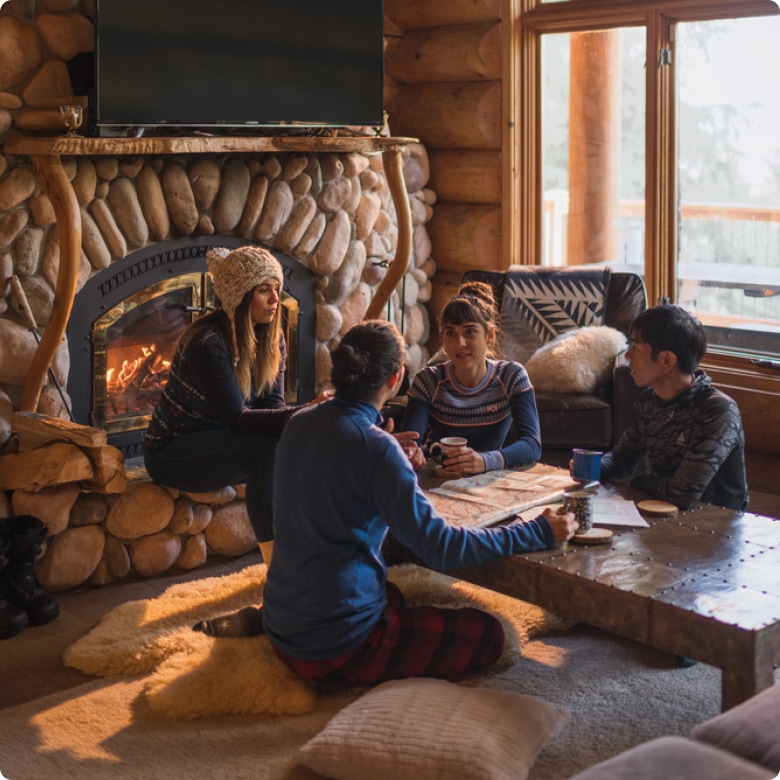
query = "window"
x=593 y=147
x=650 y=127
x=728 y=110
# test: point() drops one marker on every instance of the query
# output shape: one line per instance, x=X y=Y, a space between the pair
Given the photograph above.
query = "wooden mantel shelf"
x=46 y=154
x=81 y=146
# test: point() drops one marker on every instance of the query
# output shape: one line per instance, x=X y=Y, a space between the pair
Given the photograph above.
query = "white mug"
x=449 y=445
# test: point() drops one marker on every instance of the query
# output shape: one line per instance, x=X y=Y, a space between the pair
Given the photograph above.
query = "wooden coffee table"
x=704 y=584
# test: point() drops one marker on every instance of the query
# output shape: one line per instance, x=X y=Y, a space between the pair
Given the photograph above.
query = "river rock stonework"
x=333 y=213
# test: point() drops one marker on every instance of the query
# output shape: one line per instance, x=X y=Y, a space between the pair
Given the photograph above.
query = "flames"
x=135 y=379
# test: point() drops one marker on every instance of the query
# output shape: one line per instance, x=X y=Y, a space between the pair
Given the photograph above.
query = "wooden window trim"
x=522 y=217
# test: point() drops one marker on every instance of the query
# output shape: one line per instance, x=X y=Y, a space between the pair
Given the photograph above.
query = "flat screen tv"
x=238 y=63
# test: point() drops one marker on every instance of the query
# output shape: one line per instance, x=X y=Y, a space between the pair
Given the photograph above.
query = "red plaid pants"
x=412 y=642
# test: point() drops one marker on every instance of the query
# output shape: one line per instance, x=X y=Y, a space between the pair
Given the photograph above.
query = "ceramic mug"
x=586 y=465
x=449 y=445
x=581 y=503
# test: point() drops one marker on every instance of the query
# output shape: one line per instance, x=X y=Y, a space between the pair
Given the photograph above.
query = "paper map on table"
x=486 y=499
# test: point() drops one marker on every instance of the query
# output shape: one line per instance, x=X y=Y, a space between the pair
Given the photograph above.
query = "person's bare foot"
x=246 y=622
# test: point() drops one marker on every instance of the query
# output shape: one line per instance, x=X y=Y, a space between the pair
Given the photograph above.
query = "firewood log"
x=55 y=464
x=35 y=430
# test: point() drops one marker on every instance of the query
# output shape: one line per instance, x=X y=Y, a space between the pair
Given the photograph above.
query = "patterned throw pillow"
x=538 y=304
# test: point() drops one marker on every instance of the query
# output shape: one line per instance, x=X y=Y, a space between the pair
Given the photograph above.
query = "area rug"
x=619 y=694
x=192 y=675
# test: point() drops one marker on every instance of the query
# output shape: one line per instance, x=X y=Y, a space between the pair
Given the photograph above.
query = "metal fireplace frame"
x=152 y=265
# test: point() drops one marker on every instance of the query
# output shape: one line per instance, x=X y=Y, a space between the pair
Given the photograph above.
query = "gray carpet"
x=619 y=694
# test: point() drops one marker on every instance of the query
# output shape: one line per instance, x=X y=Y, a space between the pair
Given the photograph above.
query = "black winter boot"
x=18 y=581
x=12 y=619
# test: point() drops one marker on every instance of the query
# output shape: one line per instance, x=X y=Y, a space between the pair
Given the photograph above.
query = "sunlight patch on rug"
x=193 y=675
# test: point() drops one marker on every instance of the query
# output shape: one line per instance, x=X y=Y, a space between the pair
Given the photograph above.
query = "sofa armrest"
x=674 y=757
x=750 y=730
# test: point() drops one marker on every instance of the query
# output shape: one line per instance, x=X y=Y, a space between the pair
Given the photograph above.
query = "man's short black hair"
x=673 y=328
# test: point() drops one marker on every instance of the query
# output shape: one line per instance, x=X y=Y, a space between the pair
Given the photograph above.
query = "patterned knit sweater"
x=686 y=450
x=439 y=406
x=202 y=394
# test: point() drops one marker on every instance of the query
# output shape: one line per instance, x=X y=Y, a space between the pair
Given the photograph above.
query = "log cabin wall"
x=446 y=77
x=444 y=85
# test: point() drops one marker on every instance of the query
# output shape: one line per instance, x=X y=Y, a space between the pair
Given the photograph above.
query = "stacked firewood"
x=102 y=524
x=52 y=451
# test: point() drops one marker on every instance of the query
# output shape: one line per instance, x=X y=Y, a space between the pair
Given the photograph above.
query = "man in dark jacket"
x=685 y=441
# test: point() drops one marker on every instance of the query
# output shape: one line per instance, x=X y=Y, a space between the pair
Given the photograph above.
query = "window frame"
x=522 y=229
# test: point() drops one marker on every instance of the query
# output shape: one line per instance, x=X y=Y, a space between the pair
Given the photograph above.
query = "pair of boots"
x=23 y=602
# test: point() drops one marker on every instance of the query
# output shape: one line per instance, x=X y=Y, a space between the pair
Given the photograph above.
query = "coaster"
x=657 y=508
x=594 y=536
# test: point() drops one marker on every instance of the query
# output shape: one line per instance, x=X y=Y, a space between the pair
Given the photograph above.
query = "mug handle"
x=434 y=449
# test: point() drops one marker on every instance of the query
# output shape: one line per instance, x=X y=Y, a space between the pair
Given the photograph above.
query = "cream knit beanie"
x=235 y=272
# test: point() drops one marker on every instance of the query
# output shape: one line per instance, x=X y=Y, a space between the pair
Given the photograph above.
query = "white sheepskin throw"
x=577 y=361
x=192 y=675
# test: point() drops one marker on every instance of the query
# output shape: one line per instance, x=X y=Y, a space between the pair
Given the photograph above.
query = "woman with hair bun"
x=472 y=394
x=341 y=483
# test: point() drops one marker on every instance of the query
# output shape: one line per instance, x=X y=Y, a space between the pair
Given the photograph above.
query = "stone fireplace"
x=145 y=218
x=94 y=231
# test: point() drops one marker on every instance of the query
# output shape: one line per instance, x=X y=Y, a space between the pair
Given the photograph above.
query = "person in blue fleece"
x=341 y=483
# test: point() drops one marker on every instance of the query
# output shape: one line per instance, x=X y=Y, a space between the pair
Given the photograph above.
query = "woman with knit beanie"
x=223 y=408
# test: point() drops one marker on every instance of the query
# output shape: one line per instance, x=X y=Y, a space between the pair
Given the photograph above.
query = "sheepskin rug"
x=577 y=361
x=192 y=675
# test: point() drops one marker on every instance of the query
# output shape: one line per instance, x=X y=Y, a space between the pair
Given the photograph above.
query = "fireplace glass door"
x=134 y=342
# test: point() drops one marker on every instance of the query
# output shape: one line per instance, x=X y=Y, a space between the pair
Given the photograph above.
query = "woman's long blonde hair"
x=259 y=354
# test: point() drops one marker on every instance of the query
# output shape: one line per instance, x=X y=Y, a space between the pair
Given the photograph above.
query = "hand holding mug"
x=585 y=465
x=454 y=455
x=580 y=502
x=563 y=523
x=447 y=448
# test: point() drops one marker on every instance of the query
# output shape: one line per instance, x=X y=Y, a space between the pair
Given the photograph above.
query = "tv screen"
x=238 y=63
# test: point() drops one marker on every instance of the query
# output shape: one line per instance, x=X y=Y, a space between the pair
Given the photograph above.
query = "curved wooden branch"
x=57 y=186
x=395 y=179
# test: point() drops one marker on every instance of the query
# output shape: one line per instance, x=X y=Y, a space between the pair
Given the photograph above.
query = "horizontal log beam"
x=457 y=115
x=466 y=236
x=456 y=53
x=433 y=13
x=466 y=176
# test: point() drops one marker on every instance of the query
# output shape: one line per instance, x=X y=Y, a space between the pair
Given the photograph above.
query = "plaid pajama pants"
x=412 y=642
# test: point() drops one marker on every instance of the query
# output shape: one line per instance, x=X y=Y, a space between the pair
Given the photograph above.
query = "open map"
x=486 y=499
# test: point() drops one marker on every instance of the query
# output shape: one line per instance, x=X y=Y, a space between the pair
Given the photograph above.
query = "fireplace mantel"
x=46 y=154
x=71 y=146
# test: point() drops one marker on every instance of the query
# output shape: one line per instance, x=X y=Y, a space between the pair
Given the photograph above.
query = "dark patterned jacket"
x=683 y=451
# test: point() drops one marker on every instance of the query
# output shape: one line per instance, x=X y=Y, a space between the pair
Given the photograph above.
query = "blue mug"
x=586 y=465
